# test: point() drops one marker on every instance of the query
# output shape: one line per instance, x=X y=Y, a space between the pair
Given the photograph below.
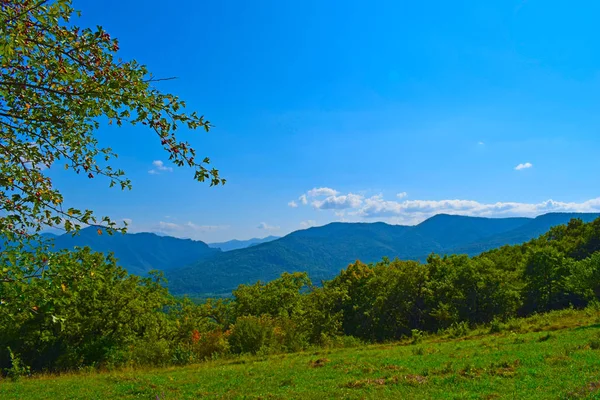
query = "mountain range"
x=241 y=244
x=324 y=251
x=195 y=268
x=140 y=253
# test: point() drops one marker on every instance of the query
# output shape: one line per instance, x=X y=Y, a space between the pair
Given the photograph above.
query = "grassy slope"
x=556 y=355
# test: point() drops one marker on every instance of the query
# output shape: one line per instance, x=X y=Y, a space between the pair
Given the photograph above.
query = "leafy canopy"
x=58 y=82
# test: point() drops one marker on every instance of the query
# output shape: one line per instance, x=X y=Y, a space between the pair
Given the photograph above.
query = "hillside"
x=324 y=251
x=523 y=233
x=548 y=356
x=140 y=252
x=196 y=268
x=241 y=244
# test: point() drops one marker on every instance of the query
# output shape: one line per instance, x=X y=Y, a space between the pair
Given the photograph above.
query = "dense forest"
x=87 y=311
x=197 y=269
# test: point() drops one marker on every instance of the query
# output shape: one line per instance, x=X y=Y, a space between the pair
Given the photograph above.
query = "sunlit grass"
x=555 y=355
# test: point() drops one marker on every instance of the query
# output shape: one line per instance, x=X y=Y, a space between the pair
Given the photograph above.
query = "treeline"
x=87 y=311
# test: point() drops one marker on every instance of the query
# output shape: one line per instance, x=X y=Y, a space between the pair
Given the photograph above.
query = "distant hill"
x=533 y=228
x=324 y=251
x=48 y=235
x=140 y=252
x=241 y=244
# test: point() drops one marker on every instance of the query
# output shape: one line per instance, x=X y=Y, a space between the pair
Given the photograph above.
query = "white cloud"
x=205 y=228
x=159 y=166
x=331 y=200
x=308 y=224
x=323 y=191
x=169 y=227
x=338 y=202
x=356 y=208
x=189 y=228
x=376 y=207
x=523 y=166
x=267 y=227
x=29 y=165
x=481 y=143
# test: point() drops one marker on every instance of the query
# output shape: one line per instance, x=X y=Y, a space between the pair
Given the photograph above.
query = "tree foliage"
x=58 y=83
x=86 y=310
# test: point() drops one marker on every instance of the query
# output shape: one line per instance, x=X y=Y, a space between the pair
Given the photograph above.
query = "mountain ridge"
x=139 y=252
x=193 y=267
x=236 y=244
x=323 y=251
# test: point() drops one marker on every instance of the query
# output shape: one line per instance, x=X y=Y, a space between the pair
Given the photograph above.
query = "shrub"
x=150 y=352
x=182 y=355
x=210 y=345
x=458 y=329
x=250 y=334
x=288 y=335
x=17 y=368
x=417 y=336
x=418 y=351
x=496 y=326
x=341 y=341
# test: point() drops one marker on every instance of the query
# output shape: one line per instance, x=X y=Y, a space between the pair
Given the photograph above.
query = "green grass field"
x=548 y=356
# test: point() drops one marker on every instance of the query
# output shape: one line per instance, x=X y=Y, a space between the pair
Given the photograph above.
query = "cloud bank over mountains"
x=403 y=210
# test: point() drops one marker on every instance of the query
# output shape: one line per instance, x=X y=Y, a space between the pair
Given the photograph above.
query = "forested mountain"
x=193 y=267
x=531 y=229
x=241 y=244
x=104 y=311
x=324 y=251
x=140 y=252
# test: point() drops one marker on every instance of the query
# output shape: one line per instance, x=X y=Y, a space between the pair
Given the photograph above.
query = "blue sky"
x=364 y=111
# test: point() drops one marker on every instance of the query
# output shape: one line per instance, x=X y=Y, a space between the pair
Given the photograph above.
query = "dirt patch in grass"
x=504 y=369
x=365 y=382
x=392 y=367
x=585 y=391
x=414 y=380
x=471 y=372
x=558 y=360
x=318 y=363
x=409 y=379
x=545 y=337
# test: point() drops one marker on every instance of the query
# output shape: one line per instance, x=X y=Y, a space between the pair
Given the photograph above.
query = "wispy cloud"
x=29 y=165
x=188 y=227
x=338 y=202
x=358 y=207
x=402 y=195
x=169 y=227
x=327 y=198
x=158 y=167
x=323 y=191
x=267 y=227
x=308 y=224
x=523 y=166
x=481 y=143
